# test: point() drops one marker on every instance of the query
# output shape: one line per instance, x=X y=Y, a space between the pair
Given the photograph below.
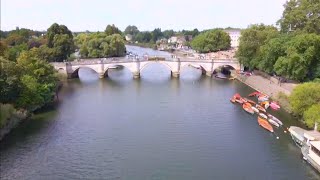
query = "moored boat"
x=275 y=119
x=265 y=104
x=297 y=135
x=247 y=107
x=233 y=100
x=265 y=124
x=249 y=101
x=255 y=109
x=263 y=115
x=260 y=108
x=254 y=94
x=271 y=121
x=274 y=105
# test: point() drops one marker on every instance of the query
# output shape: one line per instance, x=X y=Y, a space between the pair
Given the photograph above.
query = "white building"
x=234 y=36
x=128 y=37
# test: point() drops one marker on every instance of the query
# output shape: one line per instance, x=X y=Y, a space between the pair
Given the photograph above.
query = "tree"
x=211 y=41
x=304 y=96
x=301 y=60
x=301 y=15
x=251 y=41
x=143 y=37
x=112 y=29
x=312 y=116
x=271 y=51
x=156 y=34
x=38 y=81
x=56 y=29
x=101 y=45
x=132 y=30
x=168 y=33
x=3 y=48
x=60 y=39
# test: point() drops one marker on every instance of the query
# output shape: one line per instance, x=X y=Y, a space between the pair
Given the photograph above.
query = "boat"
x=274 y=105
x=262 y=98
x=271 y=121
x=311 y=148
x=265 y=104
x=233 y=100
x=275 y=119
x=249 y=101
x=220 y=77
x=240 y=101
x=254 y=94
x=247 y=107
x=232 y=78
x=265 y=124
x=263 y=115
x=260 y=108
x=297 y=135
x=255 y=109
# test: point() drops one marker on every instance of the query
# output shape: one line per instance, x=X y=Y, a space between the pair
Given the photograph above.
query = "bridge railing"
x=140 y=59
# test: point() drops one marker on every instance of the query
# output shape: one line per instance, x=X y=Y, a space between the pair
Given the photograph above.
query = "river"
x=156 y=127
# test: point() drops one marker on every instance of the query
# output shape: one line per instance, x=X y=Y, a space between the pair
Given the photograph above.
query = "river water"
x=156 y=127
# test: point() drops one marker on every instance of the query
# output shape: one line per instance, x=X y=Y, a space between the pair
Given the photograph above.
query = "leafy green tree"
x=101 y=45
x=9 y=81
x=56 y=29
x=112 y=29
x=38 y=81
x=211 y=41
x=251 y=41
x=271 y=51
x=168 y=33
x=312 y=116
x=132 y=30
x=13 y=52
x=301 y=60
x=301 y=15
x=60 y=39
x=3 y=48
x=156 y=34
x=304 y=96
x=143 y=37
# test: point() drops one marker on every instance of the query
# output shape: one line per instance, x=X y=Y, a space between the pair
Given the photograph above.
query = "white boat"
x=275 y=119
x=311 y=149
x=255 y=109
x=273 y=122
x=263 y=115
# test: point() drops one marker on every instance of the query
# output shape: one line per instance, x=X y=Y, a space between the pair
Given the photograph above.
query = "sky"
x=95 y=15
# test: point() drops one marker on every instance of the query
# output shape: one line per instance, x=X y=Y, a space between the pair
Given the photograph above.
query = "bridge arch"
x=196 y=66
x=155 y=62
x=75 y=73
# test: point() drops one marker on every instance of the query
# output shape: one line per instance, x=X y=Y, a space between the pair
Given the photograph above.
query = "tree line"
x=294 y=51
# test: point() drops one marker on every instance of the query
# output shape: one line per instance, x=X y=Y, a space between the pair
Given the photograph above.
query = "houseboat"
x=297 y=135
x=311 y=149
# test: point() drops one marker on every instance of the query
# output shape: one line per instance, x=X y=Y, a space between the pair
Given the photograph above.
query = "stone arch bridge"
x=136 y=65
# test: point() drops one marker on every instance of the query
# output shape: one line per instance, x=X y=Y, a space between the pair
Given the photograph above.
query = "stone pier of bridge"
x=102 y=65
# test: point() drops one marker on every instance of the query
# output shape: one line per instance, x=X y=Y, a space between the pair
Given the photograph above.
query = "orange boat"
x=265 y=124
x=248 y=107
x=260 y=108
x=249 y=101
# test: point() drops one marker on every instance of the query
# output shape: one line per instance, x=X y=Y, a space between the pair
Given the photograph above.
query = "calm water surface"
x=153 y=128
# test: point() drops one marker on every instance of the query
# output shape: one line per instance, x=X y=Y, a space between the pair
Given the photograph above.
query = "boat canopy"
x=315 y=144
x=312 y=135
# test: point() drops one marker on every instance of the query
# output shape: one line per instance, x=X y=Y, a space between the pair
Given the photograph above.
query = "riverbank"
x=272 y=87
x=10 y=118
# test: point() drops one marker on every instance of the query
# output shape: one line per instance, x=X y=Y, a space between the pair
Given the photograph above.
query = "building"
x=128 y=37
x=234 y=36
x=173 y=39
